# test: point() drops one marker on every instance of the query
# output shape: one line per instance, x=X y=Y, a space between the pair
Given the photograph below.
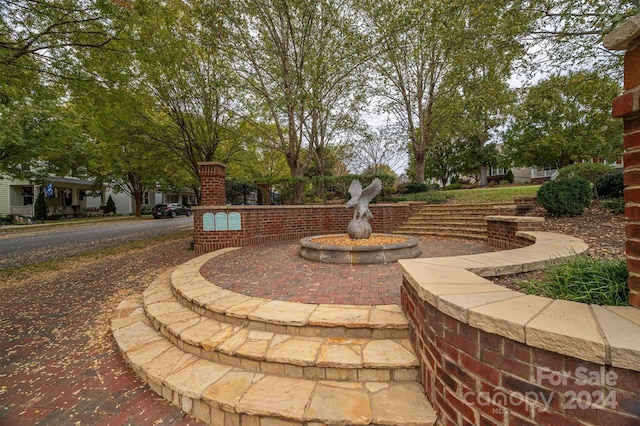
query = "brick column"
x=627 y=106
x=212 y=178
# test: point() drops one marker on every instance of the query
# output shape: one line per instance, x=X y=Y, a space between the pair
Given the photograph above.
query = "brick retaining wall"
x=263 y=224
x=503 y=231
x=480 y=378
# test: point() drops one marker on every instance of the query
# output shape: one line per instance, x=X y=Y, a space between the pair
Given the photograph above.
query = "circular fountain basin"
x=360 y=254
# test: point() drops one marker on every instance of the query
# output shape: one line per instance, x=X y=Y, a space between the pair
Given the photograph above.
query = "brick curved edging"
x=490 y=354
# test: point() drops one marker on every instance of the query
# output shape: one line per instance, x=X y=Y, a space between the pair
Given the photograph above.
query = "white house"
x=72 y=196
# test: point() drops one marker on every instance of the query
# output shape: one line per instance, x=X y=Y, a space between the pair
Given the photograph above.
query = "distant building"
x=77 y=197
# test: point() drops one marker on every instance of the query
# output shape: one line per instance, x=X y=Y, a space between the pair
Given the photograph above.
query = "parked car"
x=170 y=210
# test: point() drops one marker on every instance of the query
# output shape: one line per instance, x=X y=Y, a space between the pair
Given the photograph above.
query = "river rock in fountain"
x=359 y=229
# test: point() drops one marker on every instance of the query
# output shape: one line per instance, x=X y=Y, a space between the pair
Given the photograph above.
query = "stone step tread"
x=481 y=227
x=461 y=211
x=445 y=228
x=335 y=357
x=477 y=233
x=448 y=218
x=206 y=298
x=457 y=212
x=473 y=236
x=463 y=206
x=221 y=394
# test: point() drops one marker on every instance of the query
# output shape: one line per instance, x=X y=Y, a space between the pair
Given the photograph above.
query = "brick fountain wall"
x=263 y=224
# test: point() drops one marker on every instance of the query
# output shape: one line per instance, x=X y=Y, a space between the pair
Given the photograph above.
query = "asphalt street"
x=31 y=244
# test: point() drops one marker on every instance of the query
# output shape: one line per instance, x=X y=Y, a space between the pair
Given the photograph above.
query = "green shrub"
x=565 y=197
x=616 y=205
x=597 y=281
x=415 y=187
x=40 y=208
x=453 y=186
x=509 y=176
x=587 y=171
x=609 y=186
x=111 y=206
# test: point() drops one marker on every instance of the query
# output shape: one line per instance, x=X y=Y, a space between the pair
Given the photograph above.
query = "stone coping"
x=515 y=219
x=217 y=393
x=625 y=36
x=374 y=253
x=606 y=335
x=355 y=359
x=378 y=321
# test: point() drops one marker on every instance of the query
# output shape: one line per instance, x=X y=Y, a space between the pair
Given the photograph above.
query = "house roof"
x=56 y=179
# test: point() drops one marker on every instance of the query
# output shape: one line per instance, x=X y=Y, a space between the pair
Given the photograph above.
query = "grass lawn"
x=494 y=194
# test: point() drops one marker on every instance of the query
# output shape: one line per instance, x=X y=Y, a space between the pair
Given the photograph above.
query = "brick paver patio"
x=57 y=368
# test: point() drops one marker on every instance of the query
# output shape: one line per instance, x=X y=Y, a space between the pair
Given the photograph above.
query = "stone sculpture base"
x=359 y=229
x=365 y=254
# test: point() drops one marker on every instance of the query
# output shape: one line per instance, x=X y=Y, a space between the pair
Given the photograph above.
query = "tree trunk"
x=484 y=180
x=420 y=167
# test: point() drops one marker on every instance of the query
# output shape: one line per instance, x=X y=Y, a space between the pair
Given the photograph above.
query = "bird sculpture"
x=360 y=198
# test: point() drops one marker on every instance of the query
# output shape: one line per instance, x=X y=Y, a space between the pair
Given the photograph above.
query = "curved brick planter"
x=327 y=253
x=490 y=355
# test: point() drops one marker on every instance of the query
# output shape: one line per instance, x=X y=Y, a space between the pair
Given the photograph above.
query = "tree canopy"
x=565 y=119
x=138 y=92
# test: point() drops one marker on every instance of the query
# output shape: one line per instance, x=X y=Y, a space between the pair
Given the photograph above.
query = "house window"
x=27 y=195
x=497 y=171
x=145 y=198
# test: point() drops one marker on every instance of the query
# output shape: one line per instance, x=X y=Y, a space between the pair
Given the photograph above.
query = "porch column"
x=212 y=181
x=627 y=106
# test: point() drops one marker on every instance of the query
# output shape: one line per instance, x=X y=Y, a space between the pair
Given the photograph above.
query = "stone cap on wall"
x=606 y=335
x=625 y=36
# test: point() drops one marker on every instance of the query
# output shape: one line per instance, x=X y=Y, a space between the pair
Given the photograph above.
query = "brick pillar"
x=627 y=106
x=212 y=178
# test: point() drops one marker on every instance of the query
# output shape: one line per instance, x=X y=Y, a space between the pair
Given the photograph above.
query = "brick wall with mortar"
x=263 y=224
x=212 y=184
x=627 y=106
x=473 y=377
x=502 y=231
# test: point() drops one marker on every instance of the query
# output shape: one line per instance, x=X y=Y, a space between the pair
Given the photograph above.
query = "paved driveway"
x=25 y=245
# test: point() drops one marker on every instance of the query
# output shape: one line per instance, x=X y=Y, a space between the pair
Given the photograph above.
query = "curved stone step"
x=450 y=234
x=312 y=320
x=455 y=221
x=445 y=227
x=217 y=393
x=355 y=359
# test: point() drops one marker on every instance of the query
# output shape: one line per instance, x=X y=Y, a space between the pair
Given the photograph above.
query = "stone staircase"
x=230 y=359
x=450 y=220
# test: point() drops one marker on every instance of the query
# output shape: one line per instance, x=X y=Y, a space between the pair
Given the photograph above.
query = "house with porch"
x=76 y=197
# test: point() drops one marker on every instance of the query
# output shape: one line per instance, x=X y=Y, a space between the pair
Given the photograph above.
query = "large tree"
x=565 y=119
x=569 y=34
x=39 y=43
x=489 y=33
x=299 y=59
x=181 y=64
x=432 y=51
